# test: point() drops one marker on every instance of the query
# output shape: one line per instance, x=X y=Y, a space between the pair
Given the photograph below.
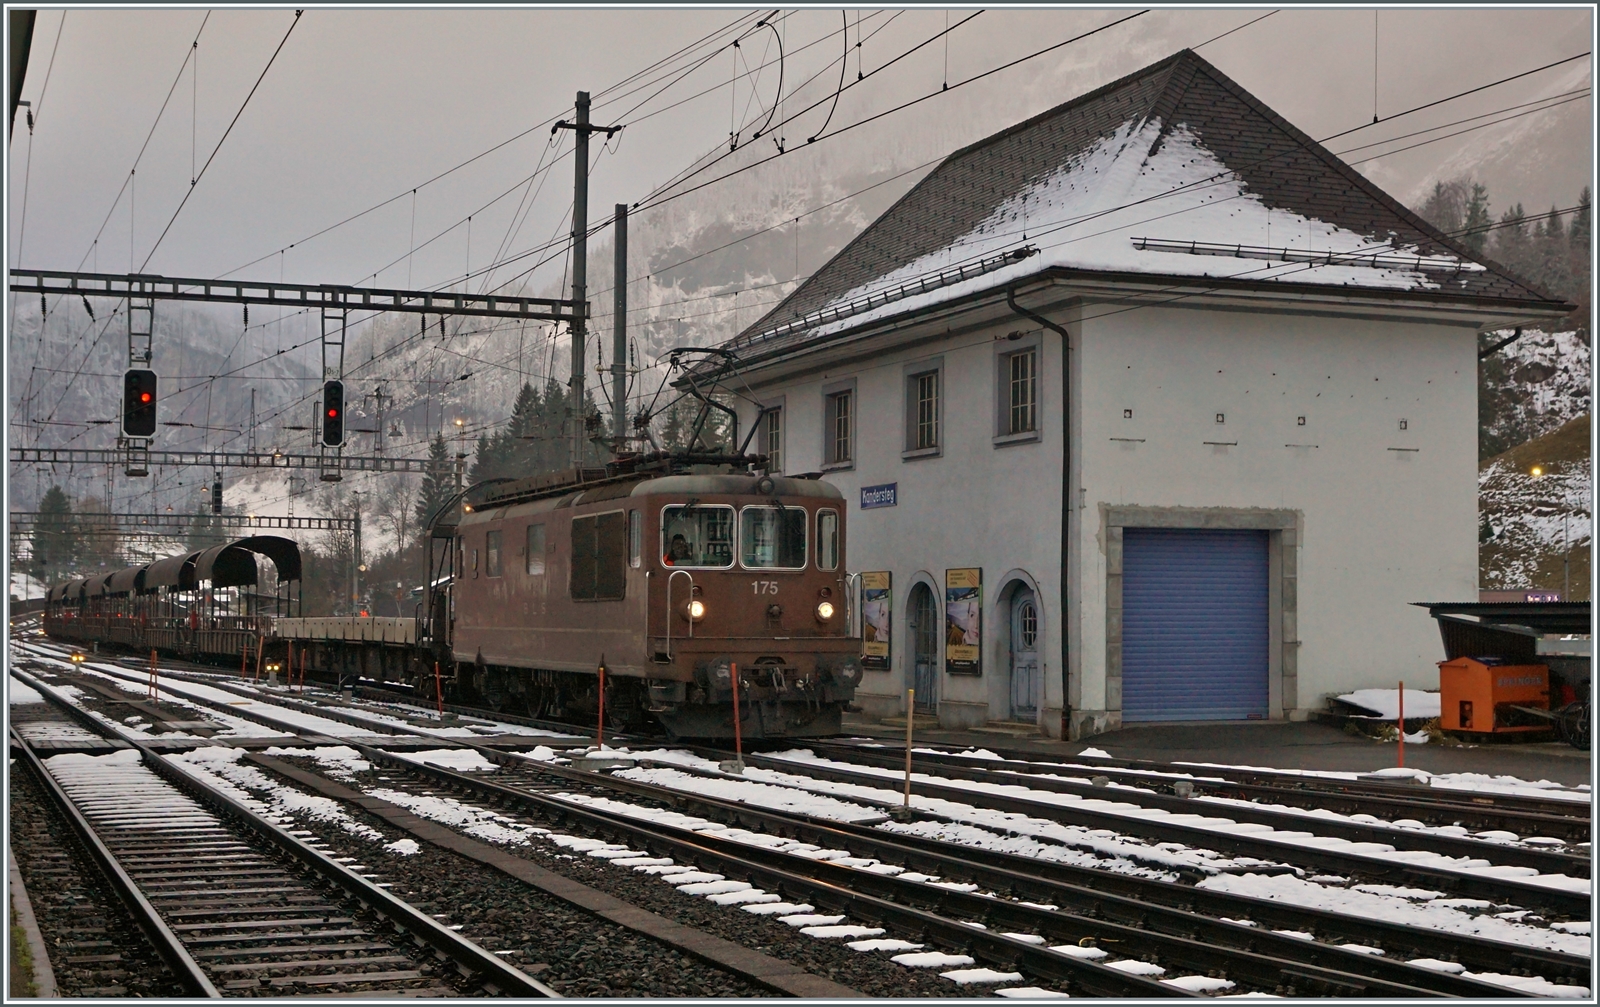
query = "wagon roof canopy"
x=1172 y=171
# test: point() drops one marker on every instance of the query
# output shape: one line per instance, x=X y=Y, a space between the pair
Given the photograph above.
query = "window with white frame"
x=839 y=448
x=772 y=438
x=923 y=393
x=1022 y=391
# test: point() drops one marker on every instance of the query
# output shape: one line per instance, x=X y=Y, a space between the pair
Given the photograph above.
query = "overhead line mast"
x=580 y=261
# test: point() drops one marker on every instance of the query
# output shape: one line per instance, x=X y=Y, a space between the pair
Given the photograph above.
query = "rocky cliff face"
x=1537 y=531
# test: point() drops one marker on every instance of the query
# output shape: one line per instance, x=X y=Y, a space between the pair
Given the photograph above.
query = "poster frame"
x=963 y=586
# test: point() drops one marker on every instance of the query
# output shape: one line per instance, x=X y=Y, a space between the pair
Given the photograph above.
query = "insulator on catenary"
x=88 y=308
x=247 y=316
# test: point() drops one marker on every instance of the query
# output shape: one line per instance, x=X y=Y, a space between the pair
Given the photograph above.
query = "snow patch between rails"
x=221 y=768
x=466 y=760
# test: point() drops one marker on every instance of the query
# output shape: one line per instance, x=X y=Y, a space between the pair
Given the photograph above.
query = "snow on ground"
x=1290 y=839
x=340 y=761
x=986 y=827
x=460 y=759
x=1445 y=915
x=1385 y=703
x=481 y=823
x=222 y=768
x=18 y=693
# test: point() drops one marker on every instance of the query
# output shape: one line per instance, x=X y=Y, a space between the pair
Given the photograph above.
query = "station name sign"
x=887 y=495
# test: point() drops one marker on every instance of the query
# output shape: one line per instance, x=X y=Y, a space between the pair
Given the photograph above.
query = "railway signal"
x=139 y=403
x=333 y=413
x=216 y=497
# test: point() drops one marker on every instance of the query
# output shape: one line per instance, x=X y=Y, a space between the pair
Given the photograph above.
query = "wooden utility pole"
x=580 y=261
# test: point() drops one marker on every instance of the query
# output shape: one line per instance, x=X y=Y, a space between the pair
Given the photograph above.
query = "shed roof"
x=1173 y=171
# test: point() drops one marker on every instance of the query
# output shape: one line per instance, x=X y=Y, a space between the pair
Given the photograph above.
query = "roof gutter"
x=1066 y=493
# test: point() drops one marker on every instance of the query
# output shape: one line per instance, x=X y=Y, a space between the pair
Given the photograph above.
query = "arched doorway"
x=925 y=624
x=1026 y=683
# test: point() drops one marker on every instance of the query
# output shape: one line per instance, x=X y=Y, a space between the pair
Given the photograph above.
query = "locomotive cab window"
x=771 y=538
x=827 y=540
x=635 y=538
x=697 y=537
x=491 y=554
x=535 y=550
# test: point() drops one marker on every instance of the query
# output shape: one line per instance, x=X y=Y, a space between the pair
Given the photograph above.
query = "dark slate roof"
x=1279 y=164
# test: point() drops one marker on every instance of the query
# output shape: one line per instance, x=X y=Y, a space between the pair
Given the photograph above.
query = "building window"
x=491 y=552
x=535 y=553
x=840 y=419
x=772 y=438
x=1017 y=389
x=924 y=390
x=1023 y=388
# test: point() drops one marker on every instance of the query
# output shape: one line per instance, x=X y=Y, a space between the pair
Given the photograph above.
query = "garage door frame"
x=1283 y=538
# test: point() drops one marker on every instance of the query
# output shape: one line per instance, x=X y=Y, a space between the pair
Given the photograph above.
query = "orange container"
x=1474 y=696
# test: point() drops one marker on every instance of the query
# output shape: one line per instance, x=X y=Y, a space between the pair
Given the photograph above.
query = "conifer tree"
x=437 y=484
x=1477 y=219
x=55 y=538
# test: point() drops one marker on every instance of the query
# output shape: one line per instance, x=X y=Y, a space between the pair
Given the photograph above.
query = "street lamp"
x=1566 y=548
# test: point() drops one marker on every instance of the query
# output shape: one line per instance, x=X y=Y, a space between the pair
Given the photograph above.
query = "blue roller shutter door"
x=1194 y=624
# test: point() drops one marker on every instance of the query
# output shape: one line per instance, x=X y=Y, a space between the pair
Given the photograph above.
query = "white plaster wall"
x=975 y=505
x=1380 y=528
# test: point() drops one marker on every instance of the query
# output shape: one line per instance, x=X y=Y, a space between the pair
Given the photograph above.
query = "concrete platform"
x=1275 y=744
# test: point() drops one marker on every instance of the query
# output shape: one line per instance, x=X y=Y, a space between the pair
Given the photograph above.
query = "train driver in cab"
x=677 y=552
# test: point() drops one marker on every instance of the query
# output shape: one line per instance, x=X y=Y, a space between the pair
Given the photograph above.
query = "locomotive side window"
x=635 y=538
x=535 y=551
x=491 y=551
x=599 y=557
x=773 y=539
x=697 y=537
x=827 y=540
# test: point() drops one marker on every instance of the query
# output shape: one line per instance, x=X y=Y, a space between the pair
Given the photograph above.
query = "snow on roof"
x=1174 y=171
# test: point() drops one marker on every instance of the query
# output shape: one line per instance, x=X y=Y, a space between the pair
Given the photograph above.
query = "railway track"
x=236 y=905
x=1156 y=915
x=1146 y=793
x=1513 y=812
x=1373 y=863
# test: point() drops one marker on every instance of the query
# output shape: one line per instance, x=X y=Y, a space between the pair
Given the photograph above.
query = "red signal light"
x=144 y=396
x=333 y=413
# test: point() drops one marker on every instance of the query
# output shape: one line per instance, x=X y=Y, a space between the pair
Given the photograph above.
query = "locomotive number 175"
x=764 y=586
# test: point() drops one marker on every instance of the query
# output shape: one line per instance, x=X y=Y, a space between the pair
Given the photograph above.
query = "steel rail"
x=1569 y=903
x=1335 y=798
x=1474 y=800
x=922 y=908
x=165 y=942
x=495 y=973
x=1090 y=886
x=1543 y=861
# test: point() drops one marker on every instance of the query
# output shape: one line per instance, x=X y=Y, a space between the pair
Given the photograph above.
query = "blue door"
x=1194 y=624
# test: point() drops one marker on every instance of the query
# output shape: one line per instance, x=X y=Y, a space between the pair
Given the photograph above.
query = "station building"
x=1146 y=408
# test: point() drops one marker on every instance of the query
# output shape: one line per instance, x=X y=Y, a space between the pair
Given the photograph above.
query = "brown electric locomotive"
x=674 y=577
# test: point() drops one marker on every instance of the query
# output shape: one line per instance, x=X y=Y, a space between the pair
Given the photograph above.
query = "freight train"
x=652 y=587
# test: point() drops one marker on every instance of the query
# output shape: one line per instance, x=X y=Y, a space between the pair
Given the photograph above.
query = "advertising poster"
x=875 y=621
x=963 y=621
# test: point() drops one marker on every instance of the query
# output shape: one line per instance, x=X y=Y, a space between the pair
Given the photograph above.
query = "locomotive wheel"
x=1572 y=723
x=493 y=687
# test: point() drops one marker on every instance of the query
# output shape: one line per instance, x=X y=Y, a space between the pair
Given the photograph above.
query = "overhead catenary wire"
x=223 y=139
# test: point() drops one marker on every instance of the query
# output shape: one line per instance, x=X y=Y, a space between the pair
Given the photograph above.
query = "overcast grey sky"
x=362 y=105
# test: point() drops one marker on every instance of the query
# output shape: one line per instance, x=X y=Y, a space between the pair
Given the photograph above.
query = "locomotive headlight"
x=825 y=610
x=697 y=610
